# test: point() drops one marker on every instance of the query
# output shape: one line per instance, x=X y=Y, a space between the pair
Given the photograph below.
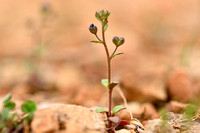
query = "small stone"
x=45 y=121
x=143 y=87
x=149 y=110
x=194 y=128
x=175 y=106
x=67 y=119
x=145 y=109
x=180 y=86
x=124 y=115
x=159 y=126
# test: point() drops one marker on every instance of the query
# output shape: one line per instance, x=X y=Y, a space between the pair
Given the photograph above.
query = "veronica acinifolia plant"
x=102 y=16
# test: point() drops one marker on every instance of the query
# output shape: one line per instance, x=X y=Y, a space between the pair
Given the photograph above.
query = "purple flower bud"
x=93 y=29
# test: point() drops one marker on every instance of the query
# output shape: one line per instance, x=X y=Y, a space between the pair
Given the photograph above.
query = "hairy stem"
x=109 y=77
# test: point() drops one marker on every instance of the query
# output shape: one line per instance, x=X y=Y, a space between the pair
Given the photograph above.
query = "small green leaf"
x=97 y=15
x=96 y=41
x=113 y=84
x=117 y=54
x=29 y=107
x=5 y=113
x=118 y=108
x=101 y=110
x=105 y=27
x=106 y=14
x=7 y=98
x=105 y=83
x=9 y=105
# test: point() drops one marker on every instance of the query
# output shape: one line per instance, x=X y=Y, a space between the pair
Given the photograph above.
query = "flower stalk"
x=102 y=16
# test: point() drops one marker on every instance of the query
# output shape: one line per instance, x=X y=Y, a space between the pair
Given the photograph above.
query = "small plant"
x=113 y=121
x=10 y=121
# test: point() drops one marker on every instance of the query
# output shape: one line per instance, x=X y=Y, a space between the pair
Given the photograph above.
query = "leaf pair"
x=114 y=111
x=114 y=119
x=106 y=84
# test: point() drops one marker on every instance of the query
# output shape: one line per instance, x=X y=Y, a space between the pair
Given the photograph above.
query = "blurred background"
x=46 y=56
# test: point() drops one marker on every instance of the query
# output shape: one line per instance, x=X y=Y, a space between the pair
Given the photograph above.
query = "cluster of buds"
x=118 y=41
x=102 y=15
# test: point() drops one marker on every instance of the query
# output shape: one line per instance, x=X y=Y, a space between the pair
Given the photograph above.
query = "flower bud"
x=102 y=15
x=93 y=29
x=121 y=41
x=118 y=41
x=106 y=14
x=99 y=15
x=115 y=40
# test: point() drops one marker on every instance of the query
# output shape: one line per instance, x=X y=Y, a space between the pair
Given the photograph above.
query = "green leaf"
x=106 y=14
x=7 y=98
x=105 y=83
x=105 y=27
x=9 y=105
x=101 y=110
x=117 y=109
x=5 y=113
x=113 y=84
x=97 y=15
x=29 y=117
x=29 y=107
x=117 y=54
x=96 y=41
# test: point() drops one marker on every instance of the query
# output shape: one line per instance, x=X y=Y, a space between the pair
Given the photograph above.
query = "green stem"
x=113 y=52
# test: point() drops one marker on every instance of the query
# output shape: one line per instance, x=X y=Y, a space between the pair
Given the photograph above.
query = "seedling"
x=113 y=121
x=10 y=121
